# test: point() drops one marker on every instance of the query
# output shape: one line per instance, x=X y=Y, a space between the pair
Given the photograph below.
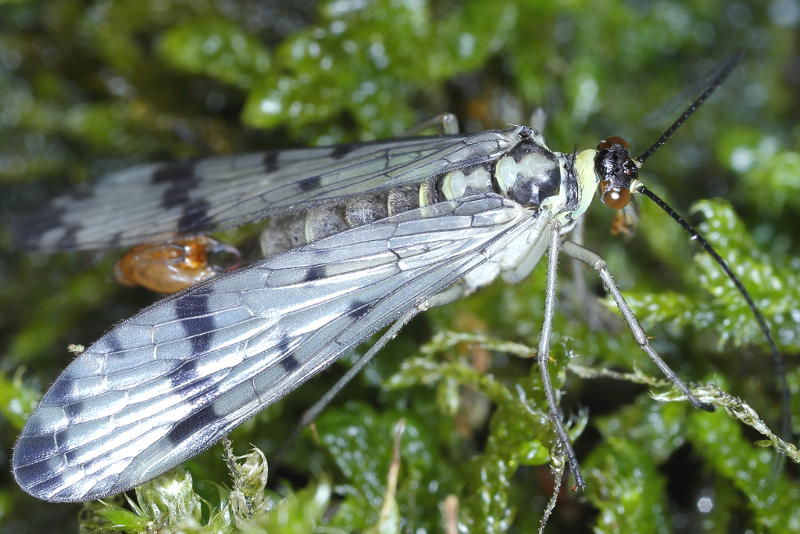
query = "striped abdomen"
x=527 y=174
x=290 y=231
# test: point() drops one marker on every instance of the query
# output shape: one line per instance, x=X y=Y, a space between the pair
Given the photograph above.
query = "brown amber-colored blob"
x=625 y=222
x=608 y=142
x=614 y=197
x=166 y=267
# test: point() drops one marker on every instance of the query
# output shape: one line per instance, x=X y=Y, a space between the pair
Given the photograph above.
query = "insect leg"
x=319 y=406
x=445 y=123
x=596 y=262
x=580 y=294
x=544 y=354
x=451 y=294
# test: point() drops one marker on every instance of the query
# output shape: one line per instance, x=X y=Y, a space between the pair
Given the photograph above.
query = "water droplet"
x=705 y=504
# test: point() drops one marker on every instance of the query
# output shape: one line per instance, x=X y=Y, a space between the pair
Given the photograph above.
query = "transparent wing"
x=157 y=202
x=172 y=380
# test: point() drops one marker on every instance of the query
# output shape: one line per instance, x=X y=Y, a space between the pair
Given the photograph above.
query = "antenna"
x=777 y=358
x=724 y=71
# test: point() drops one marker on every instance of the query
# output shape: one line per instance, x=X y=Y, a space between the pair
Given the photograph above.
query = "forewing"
x=169 y=382
x=157 y=202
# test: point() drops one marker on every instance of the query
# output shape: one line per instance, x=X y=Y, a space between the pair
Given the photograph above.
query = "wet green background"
x=89 y=87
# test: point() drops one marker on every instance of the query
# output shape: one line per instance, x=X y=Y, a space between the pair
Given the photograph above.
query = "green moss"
x=627 y=489
x=772 y=279
x=92 y=86
x=216 y=48
x=16 y=400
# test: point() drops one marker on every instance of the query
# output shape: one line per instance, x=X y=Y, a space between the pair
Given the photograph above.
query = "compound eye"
x=630 y=168
x=614 y=197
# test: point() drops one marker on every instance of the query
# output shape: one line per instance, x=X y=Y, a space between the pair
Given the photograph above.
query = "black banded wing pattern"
x=169 y=382
x=157 y=202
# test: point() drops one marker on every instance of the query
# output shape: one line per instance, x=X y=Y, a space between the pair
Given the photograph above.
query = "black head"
x=616 y=169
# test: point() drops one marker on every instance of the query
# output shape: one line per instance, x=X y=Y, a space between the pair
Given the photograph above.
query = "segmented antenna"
x=777 y=357
x=724 y=71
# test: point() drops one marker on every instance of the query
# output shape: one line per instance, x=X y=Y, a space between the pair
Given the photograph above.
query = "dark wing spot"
x=181 y=181
x=289 y=363
x=185 y=374
x=287 y=359
x=194 y=217
x=175 y=195
x=309 y=184
x=340 y=151
x=314 y=273
x=61 y=392
x=113 y=343
x=192 y=310
x=74 y=410
x=70 y=238
x=192 y=424
x=270 y=161
x=29 y=228
x=358 y=309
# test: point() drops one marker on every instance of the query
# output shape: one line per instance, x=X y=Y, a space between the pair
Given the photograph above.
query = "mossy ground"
x=88 y=87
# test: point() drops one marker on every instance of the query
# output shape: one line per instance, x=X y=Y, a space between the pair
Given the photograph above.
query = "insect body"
x=172 y=380
x=528 y=173
x=373 y=234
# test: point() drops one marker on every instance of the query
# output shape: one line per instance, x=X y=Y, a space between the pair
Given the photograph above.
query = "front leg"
x=544 y=355
x=597 y=263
